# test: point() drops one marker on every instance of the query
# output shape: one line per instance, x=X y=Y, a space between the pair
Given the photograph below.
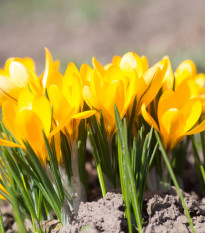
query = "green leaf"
x=82 y=138
x=2 y=229
x=97 y=162
x=129 y=188
x=45 y=184
x=54 y=169
x=174 y=180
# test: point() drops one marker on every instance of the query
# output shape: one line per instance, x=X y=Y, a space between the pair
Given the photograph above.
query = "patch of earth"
x=162 y=211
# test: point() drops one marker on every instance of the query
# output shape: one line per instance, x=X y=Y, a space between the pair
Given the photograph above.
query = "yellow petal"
x=153 y=88
x=9 y=144
x=167 y=100
x=116 y=60
x=185 y=70
x=30 y=63
x=42 y=108
x=22 y=74
x=131 y=64
x=19 y=74
x=69 y=73
x=73 y=93
x=114 y=73
x=131 y=93
x=145 y=63
x=148 y=118
x=48 y=67
x=169 y=76
x=62 y=123
x=98 y=67
x=200 y=80
x=174 y=124
x=9 y=111
x=83 y=115
x=197 y=129
x=85 y=74
x=30 y=128
x=25 y=99
x=61 y=107
x=8 y=89
x=192 y=111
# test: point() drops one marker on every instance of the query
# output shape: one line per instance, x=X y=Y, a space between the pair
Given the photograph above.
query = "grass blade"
x=123 y=140
x=174 y=180
x=54 y=168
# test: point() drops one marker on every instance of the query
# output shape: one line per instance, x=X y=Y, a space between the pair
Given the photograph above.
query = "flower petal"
x=148 y=118
x=197 y=129
x=9 y=111
x=98 y=67
x=84 y=115
x=42 y=108
x=185 y=70
x=61 y=107
x=9 y=143
x=30 y=128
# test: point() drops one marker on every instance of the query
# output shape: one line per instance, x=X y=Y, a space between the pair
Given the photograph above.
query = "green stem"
x=174 y=181
x=197 y=158
x=1 y=224
x=97 y=162
x=101 y=180
x=203 y=144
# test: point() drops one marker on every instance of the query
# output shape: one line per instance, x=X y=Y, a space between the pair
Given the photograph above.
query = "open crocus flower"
x=119 y=83
x=177 y=114
x=186 y=74
x=66 y=99
x=108 y=87
x=26 y=121
x=17 y=74
x=148 y=81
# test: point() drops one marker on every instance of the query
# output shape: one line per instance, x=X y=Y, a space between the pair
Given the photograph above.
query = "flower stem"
x=174 y=180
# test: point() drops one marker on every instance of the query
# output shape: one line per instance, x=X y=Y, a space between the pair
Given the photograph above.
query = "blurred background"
x=78 y=30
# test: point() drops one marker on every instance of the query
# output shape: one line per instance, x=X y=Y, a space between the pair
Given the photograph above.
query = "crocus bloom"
x=106 y=87
x=177 y=114
x=187 y=73
x=17 y=74
x=26 y=120
x=66 y=99
x=119 y=83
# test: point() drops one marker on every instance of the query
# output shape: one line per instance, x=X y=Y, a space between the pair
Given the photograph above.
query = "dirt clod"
x=166 y=214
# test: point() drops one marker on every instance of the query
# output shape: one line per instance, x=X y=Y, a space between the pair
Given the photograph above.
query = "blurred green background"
x=78 y=30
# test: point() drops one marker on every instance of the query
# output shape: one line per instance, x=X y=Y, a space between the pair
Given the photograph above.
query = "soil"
x=162 y=212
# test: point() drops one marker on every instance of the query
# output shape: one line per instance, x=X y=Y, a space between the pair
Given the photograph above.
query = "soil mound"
x=162 y=212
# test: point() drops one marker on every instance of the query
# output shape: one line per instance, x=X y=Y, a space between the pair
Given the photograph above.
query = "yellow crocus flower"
x=66 y=99
x=119 y=83
x=177 y=114
x=26 y=120
x=186 y=74
x=106 y=87
x=17 y=74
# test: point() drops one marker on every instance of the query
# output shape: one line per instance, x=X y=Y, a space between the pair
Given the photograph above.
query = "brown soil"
x=163 y=212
